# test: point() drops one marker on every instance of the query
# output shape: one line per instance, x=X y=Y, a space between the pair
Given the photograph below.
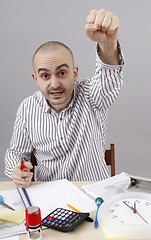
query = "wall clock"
x=127 y=215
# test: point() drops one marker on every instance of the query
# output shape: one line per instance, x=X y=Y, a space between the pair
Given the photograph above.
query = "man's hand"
x=23 y=178
x=103 y=27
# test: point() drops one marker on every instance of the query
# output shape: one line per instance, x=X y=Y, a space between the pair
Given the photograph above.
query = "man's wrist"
x=108 y=47
x=109 y=53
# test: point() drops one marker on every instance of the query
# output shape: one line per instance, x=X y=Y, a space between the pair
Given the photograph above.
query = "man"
x=64 y=123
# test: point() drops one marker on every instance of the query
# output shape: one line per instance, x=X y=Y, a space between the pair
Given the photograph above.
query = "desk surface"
x=85 y=231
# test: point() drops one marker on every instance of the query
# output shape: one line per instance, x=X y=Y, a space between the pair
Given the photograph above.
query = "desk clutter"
x=56 y=199
x=47 y=196
x=125 y=210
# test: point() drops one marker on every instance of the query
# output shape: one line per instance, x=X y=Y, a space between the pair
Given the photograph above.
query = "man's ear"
x=75 y=73
x=34 y=76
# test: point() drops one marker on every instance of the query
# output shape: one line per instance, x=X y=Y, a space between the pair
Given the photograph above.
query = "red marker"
x=22 y=169
x=22 y=165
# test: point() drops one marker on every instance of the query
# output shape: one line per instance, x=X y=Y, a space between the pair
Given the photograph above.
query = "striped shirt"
x=69 y=144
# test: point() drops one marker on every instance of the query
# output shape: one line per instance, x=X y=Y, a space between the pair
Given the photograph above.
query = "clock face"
x=127 y=215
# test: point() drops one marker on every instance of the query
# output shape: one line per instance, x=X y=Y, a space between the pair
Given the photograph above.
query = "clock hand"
x=127 y=205
x=135 y=211
x=134 y=207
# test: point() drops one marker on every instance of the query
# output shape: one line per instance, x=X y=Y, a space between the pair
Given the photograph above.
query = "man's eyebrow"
x=62 y=65
x=58 y=67
x=43 y=69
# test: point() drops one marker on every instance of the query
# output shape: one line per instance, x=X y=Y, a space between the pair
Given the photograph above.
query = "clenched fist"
x=23 y=178
x=102 y=26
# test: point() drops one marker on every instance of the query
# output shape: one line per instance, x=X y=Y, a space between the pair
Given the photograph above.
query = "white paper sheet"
x=116 y=184
x=12 y=238
x=51 y=195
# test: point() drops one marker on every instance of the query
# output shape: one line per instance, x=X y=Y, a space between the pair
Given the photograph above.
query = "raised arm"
x=103 y=27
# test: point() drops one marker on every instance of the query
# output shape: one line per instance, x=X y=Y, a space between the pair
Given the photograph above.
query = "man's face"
x=55 y=76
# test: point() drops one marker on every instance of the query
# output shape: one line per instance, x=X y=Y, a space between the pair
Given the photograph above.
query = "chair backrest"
x=34 y=163
x=110 y=158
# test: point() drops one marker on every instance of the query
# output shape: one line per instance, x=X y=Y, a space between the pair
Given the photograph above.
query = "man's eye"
x=62 y=73
x=45 y=76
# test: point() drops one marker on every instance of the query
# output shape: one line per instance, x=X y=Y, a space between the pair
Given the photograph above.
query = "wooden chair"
x=110 y=158
x=34 y=163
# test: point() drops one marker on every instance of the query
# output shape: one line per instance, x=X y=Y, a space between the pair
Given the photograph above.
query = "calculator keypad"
x=63 y=219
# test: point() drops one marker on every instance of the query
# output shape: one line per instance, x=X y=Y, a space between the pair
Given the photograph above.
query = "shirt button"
x=60 y=119
x=61 y=138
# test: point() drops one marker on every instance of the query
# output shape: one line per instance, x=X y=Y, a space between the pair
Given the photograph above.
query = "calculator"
x=64 y=220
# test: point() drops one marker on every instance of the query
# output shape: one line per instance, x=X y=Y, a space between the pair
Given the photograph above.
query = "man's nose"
x=54 y=82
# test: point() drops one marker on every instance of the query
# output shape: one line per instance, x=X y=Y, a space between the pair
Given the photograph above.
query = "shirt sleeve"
x=106 y=83
x=20 y=145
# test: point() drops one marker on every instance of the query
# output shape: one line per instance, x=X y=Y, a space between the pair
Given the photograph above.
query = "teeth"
x=56 y=93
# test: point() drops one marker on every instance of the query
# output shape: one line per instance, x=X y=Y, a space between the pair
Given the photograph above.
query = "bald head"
x=51 y=46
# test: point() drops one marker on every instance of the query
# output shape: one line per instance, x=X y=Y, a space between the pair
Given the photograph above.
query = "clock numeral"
x=122 y=221
x=148 y=203
x=114 y=216
x=137 y=201
x=112 y=210
x=127 y=201
x=116 y=205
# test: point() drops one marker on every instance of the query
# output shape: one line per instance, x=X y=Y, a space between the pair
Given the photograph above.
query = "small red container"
x=33 y=222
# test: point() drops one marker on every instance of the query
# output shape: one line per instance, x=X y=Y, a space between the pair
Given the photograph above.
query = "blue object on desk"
x=4 y=204
x=98 y=201
x=24 y=197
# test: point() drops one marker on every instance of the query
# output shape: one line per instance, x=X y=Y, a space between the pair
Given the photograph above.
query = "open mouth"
x=56 y=93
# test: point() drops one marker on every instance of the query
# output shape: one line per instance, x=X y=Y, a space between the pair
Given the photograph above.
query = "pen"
x=76 y=210
x=22 y=165
x=24 y=197
x=22 y=168
x=23 y=189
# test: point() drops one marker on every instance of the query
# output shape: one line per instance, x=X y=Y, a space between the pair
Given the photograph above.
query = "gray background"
x=24 y=25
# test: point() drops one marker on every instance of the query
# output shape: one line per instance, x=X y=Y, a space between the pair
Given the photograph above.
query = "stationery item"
x=47 y=196
x=4 y=204
x=33 y=223
x=22 y=168
x=76 y=210
x=13 y=199
x=22 y=165
x=51 y=195
x=24 y=197
x=98 y=201
x=22 y=191
x=12 y=216
x=64 y=220
x=116 y=184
